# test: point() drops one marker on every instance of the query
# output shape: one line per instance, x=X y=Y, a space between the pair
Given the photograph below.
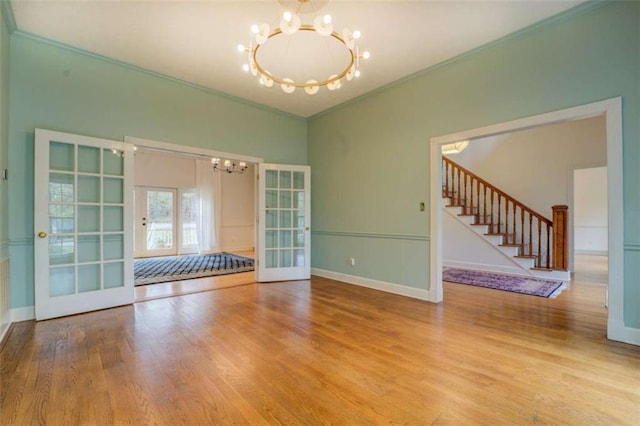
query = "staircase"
x=536 y=245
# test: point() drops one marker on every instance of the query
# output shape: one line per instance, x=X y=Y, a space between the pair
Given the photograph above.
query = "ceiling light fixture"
x=228 y=166
x=290 y=24
x=454 y=148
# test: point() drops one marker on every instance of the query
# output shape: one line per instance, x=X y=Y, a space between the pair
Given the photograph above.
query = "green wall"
x=61 y=89
x=4 y=133
x=370 y=157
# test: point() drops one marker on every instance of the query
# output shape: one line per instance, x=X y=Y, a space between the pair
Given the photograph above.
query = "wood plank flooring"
x=323 y=352
x=196 y=285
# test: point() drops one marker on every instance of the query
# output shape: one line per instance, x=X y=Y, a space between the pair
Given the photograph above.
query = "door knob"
x=306 y=229
x=42 y=234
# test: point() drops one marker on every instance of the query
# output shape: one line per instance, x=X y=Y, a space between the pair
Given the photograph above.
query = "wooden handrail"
x=497 y=190
x=529 y=230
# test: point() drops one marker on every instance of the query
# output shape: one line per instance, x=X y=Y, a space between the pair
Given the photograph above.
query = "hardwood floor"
x=591 y=269
x=318 y=352
x=196 y=285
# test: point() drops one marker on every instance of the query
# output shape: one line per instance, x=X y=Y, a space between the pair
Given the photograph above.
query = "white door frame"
x=612 y=110
x=196 y=152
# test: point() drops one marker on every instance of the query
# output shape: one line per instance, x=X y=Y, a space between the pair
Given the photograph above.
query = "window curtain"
x=208 y=193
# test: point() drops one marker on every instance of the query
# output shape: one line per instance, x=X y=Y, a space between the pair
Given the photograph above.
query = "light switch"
x=422 y=206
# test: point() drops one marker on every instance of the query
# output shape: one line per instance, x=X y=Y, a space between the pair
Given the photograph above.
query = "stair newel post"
x=560 y=238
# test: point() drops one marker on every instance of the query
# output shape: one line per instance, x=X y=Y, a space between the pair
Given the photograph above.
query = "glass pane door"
x=156 y=220
x=284 y=218
x=161 y=222
x=83 y=244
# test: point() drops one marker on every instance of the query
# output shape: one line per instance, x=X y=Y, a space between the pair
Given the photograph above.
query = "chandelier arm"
x=279 y=80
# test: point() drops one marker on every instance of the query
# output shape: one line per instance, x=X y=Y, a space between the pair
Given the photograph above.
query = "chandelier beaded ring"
x=289 y=25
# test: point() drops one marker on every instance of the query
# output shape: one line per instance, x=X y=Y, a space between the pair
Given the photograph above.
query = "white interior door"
x=156 y=222
x=284 y=213
x=83 y=245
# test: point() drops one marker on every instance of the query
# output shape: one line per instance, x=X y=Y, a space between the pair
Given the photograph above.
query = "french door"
x=284 y=213
x=155 y=222
x=83 y=243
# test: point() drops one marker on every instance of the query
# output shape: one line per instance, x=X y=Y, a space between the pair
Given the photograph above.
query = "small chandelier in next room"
x=228 y=166
x=291 y=69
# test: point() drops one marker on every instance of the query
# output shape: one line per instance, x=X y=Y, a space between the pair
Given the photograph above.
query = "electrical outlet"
x=352 y=261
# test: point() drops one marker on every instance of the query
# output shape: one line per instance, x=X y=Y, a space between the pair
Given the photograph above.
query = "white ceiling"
x=196 y=41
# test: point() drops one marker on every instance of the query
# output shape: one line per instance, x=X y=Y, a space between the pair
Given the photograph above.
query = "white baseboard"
x=591 y=252
x=486 y=268
x=402 y=290
x=4 y=329
x=16 y=315
x=617 y=331
x=23 y=314
x=245 y=248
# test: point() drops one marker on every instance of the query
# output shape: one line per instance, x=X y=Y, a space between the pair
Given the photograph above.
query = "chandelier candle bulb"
x=263 y=34
x=322 y=25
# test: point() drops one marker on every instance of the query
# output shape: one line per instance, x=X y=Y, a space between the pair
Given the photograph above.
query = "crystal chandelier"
x=290 y=24
x=228 y=166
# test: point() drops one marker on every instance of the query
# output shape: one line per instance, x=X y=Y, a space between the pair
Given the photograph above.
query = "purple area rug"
x=514 y=283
